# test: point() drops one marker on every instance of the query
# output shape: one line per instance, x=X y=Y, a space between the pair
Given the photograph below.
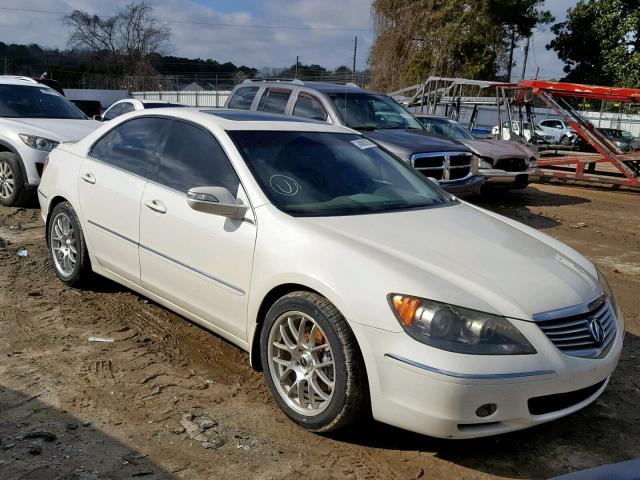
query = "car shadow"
x=39 y=441
x=604 y=432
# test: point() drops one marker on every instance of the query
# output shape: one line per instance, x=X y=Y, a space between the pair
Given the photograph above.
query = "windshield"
x=368 y=111
x=21 y=101
x=446 y=128
x=328 y=174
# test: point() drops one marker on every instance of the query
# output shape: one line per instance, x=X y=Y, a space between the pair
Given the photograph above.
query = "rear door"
x=111 y=183
x=197 y=261
x=274 y=100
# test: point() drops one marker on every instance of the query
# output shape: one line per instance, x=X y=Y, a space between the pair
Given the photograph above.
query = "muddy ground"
x=168 y=399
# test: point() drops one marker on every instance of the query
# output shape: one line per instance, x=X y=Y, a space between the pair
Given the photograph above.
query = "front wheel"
x=312 y=364
x=566 y=141
x=12 y=191
x=67 y=246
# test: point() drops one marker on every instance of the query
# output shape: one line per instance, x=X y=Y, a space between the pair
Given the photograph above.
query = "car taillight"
x=46 y=162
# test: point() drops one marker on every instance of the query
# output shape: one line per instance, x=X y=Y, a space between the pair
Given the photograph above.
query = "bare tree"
x=126 y=38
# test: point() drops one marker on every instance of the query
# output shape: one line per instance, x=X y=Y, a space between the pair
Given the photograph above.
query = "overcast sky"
x=256 y=47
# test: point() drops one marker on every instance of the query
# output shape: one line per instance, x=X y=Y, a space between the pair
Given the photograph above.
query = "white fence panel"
x=196 y=98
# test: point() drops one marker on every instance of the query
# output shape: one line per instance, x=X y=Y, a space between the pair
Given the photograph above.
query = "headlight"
x=457 y=329
x=607 y=289
x=39 y=143
x=484 y=163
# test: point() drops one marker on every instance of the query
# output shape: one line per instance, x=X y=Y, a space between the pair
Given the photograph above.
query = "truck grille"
x=573 y=335
x=445 y=166
x=511 y=164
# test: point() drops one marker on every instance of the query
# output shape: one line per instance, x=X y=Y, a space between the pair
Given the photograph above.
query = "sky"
x=327 y=39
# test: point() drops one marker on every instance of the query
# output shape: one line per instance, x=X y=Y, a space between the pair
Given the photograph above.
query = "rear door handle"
x=89 y=178
x=156 y=206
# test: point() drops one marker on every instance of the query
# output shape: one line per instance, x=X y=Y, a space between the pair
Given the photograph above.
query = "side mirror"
x=215 y=200
x=97 y=117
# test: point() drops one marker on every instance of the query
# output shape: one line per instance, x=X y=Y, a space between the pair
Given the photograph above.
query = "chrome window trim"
x=468 y=376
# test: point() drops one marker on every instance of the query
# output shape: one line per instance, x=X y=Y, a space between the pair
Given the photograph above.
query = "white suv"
x=33 y=120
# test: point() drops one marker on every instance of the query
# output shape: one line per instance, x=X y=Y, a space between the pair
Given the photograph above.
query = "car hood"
x=498 y=149
x=465 y=256
x=407 y=142
x=61 y=130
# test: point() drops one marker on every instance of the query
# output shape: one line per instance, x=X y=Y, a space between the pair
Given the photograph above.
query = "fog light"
x=486 y=409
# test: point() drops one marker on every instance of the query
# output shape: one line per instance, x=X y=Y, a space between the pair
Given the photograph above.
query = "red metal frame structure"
x=553 y=95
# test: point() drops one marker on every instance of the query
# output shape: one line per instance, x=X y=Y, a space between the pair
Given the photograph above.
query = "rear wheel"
x=67 y=247
x=12 y=191
x=312 y=364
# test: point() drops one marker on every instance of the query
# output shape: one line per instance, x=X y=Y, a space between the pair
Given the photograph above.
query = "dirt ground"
x=168 y=399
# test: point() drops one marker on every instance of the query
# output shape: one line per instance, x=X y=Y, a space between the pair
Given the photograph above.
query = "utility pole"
x=511 y=48
x=526 y=56
x=355 y=54
x=297 y=65
x=6 y=60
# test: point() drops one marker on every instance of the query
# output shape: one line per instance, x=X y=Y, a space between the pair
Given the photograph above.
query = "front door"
x=198 y=261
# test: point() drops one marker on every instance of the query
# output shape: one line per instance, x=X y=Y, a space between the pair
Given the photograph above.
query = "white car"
x=131 y=104
x=560 y=130
x=33 y=120
x=353 y=281
x=526 y=132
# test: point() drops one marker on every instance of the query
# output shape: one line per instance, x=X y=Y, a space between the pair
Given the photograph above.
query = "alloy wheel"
x=64 y=244
x=7 y=180
x=301 y=363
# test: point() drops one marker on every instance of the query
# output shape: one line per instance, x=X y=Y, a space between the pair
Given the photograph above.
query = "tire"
x=566 y=141
x=12 y=181
x=64 y=236
x=325 y=405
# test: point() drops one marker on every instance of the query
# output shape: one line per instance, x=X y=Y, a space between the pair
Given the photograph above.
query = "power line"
x=216 y=24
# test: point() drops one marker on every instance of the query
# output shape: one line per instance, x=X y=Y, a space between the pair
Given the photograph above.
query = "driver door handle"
x=156 y=206
x=89 y=178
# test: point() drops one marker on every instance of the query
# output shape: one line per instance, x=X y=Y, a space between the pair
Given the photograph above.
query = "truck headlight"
x=457 y=329
x=484 y=163
x=39 y=143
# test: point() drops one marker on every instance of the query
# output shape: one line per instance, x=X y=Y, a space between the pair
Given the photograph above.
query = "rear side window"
x=243 y=98
x=309 y=107
x=274 y=100
x=132 y=146
x=126 y=108
x=114 y=112
x=192 y=157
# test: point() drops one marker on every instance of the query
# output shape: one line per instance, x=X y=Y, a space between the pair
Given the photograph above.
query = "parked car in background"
x=622 y=139
x=130 y=105
x=539 y=135
x=502 y=163
x=561 y=131
x=378 y=117
x=34 y=119
x=355 y=284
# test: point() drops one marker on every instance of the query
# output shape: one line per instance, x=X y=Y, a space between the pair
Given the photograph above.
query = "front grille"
x=572 y=334
x=560 y=401
x=445 y=166
x=511 y=164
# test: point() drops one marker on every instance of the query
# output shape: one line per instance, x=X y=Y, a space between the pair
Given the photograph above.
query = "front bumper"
x=470 y=185
x=501 y=178
x=437 y=393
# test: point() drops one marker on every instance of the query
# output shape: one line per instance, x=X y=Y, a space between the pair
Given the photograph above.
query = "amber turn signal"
x=406 y=308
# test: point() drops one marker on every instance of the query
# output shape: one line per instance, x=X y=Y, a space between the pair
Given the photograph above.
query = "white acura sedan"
x=355 y=283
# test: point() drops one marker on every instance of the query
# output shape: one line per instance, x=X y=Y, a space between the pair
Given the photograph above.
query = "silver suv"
x=378 y=117
x=34 y=119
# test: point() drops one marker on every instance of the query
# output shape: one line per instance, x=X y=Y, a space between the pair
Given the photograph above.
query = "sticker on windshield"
x=363 y=143
x=284 y=185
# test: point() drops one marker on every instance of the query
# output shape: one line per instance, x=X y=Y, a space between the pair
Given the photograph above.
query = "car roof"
x=240 y=120
x=326 y=87
x=17 y=80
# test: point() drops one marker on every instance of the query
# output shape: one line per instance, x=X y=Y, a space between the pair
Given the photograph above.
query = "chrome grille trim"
x=571 y=335
x=443 y=172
